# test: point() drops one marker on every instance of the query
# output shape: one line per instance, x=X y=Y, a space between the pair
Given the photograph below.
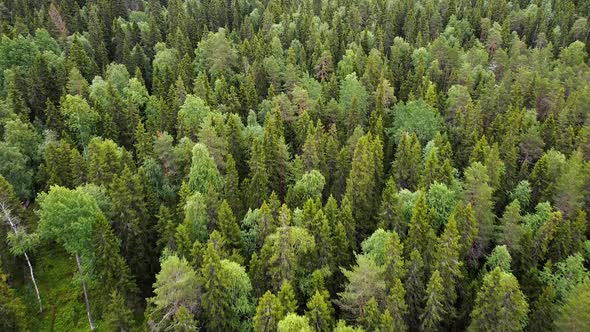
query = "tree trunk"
x=15 y=230
x=90 y=320
x=34 y=282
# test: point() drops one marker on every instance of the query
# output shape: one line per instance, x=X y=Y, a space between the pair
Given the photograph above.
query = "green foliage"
x=203 y=172
x=174 y=290
x=69 y=217
x=80 y=118
x=11 y=308
x=394 y=129
x=574 y=315
x=310 y=186
x=434 y=308
x=364 y=282
x=294 y=323
x=269 y=313
x=500 y=304
x=415 y=117
x=319 y=312
x=118 y=317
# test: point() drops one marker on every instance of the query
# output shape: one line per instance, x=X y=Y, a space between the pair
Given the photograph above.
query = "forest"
x=294 y=165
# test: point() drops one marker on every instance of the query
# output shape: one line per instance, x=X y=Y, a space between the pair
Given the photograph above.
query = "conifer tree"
x=348 y=221
x=415 y=287
x=11 y=307
x=448 y=264
x=232 y=186
x=216 y=300
x=434 y=310
x=390 y=213
x=362 y=186
x=467 y=227
x=228 y=227
x=118 y=317
x=203 y=171
x=478 y=192
x=397 y=307
x=370 y=318
x=421 y=236
x=319 y=313
x=275 y=152
x=268 y=313
x=500 y=304
x=257 y=186
x=287 y=298
x=406 y=164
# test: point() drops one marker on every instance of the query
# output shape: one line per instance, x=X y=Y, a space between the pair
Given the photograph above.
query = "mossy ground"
x=63 y=304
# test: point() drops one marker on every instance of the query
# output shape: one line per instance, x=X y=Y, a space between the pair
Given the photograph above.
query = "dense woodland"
x=283 y=165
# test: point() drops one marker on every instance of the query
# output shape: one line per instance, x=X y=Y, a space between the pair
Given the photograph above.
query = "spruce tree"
x=319 y=313
x=390 y=212
x=421 y=236
x=447 y=262
x=406 y=164
x=215 y=300
x=500 y=304
x=268 y=313
x=118 y=317
x=434 y=310
x=397 y=307
x=228 y=227
x=370 y=318
x=415 y=287
x=287 y=298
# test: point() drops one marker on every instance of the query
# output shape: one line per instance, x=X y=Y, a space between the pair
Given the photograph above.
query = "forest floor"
x=63 y=305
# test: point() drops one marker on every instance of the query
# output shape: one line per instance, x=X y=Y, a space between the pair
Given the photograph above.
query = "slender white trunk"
x=15 y=230
x=34 y=282
x=90 y=320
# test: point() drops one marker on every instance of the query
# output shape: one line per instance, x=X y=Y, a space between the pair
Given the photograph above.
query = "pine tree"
x=321 y=231
x=130 y=223
x=467 y=227
x=166 y=228
x=143 y=142
x=574 y=313
x=387 y=324
x=341 y=250
x=434 y=310
x=478 y=192
x=544 y=311
x=393 y=260
x=348 y=221
x=110 y=268
x=275 y=152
